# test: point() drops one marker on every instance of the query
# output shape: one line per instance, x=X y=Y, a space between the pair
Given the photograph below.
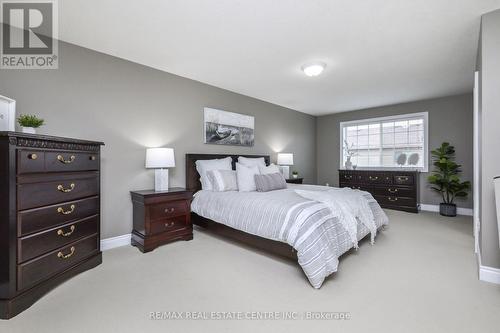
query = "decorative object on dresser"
x=160 y=159
x=7 y=114
x=295 y=180
x=49 y=215
x=161 y=217
x=284 y=161
x=29 y=123
x=349 y=153
x=228 y=128
x=392 y=189
x=295 y=174
x=445 y=180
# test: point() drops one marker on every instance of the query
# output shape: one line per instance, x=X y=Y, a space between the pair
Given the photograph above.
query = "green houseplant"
x=445 y=179
x=295 y=174
x=29 y=123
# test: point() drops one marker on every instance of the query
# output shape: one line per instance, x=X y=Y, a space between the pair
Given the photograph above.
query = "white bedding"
x=309 y=226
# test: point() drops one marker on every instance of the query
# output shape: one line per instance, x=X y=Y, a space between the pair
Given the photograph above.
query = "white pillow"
x=246 y=177
x=266 y=170
x=252 y=161
x=203 y=166
x=223 y=180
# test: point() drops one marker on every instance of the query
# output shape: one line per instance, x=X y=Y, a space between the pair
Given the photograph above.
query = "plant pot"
x=447 y=209
x=29 y=130
x=295 y=176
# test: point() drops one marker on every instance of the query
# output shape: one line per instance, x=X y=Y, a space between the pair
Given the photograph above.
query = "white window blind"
x=386 y=143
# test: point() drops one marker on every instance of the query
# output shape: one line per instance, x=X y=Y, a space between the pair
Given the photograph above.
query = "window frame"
x=366 y=121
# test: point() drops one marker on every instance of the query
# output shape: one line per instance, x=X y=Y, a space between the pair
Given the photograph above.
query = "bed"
x=280 y=222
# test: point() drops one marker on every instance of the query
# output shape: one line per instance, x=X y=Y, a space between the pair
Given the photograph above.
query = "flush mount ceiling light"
x=313 y=68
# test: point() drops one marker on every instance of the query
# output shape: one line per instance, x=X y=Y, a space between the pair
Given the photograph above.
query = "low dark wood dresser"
x=49 y=215
x=161 y=217
x=392 y=189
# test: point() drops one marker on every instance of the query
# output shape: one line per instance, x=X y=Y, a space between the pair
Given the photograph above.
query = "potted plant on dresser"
x=445 y=179
x=29 y=123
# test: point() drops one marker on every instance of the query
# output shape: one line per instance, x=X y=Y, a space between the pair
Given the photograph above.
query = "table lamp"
x=284 y=161
x=160 y=159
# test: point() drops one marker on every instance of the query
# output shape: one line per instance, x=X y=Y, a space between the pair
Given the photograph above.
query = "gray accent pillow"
x=222 y=180
x=270 y=182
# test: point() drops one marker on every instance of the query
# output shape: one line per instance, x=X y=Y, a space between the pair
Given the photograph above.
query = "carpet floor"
x=420 y=276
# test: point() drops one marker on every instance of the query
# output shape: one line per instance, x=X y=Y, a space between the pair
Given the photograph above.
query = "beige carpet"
x=420 y=276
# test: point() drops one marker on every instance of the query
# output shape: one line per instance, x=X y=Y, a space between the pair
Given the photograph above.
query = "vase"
x=447 y=209
x=29 y=130
x=348 y=163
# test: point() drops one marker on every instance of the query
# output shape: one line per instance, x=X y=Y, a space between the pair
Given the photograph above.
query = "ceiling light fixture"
x=314 y=68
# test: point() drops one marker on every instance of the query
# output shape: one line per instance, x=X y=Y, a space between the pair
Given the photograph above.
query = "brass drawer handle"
x=169 y=210
x=393 y=199
x=92 y=158
x=66 y=212
x=66 y=190
x=348 y=177
x=171 y=224
x=403 y=178
x=66 y=256
x=373 y=178
x=60 y=232
x=392 y=190
x=32 y=156
x=61 y=159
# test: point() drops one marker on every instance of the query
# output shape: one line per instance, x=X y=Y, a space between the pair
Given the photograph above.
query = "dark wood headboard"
x=193 y=177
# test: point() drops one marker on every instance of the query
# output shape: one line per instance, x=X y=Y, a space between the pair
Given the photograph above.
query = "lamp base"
x=285 y=171
x=161 y=180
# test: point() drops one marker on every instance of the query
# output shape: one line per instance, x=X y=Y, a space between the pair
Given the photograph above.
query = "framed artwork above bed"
x=228 y=128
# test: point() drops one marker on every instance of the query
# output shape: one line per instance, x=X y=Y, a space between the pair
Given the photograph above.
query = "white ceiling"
x=378 y=52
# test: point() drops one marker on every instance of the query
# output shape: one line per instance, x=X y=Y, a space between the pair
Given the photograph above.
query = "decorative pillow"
x=270 y=182
x=245 y=177
x=259 y=161
x=223 y=180
x=203 y=166
x=266 y=170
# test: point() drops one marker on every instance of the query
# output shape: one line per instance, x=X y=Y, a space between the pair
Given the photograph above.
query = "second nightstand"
x=161 y=217
x=295 y=180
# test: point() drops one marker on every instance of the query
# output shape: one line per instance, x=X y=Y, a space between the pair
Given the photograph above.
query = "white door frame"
x=11 y=116
x=476 y=164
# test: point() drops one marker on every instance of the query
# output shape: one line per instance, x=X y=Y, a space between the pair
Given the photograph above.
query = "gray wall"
x=489 y=66
x=450 y=119
x=130 y=107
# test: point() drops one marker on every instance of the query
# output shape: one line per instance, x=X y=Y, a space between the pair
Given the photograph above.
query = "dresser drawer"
x=377 y=178
x=70 y=161
x=168 y=225
x=41 y=268
x=33 y=161
x=404 y=179
x=389 y=200
x=394 y=191
x=168 y=209
x=47 y=193
x=34 y=220
x=45 y=241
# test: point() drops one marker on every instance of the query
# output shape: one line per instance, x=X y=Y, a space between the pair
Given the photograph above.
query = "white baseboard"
x=111 y=243
x=487 y=273
x=435 y=208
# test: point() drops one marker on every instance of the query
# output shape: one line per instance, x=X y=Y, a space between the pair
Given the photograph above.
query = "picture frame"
x=228 y=128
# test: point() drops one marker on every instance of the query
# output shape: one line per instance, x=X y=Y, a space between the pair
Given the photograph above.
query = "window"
x=386 y=143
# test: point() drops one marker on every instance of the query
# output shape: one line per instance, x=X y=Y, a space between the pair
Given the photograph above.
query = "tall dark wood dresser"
x=392 y=189
x=49 y=215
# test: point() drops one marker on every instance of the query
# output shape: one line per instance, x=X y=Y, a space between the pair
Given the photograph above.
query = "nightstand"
x=161 y=217
x=295 y=180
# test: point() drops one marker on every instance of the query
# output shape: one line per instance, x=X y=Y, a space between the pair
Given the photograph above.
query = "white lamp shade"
x=285 y=159
x=157 y=158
